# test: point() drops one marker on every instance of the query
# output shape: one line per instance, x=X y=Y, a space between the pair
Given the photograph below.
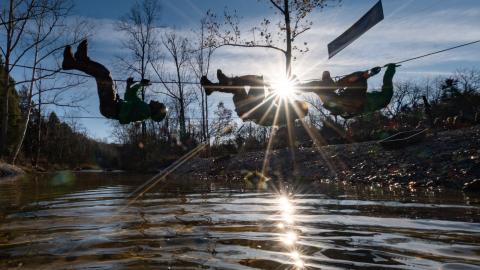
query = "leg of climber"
x=225 y=85
x=240 y=98
x=254 y=82
x=83 y=63
x=207 y=85
x=109 y=102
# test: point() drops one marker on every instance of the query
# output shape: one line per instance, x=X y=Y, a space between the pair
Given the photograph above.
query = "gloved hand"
x=375 y=71
x=392 y=65
x=145 y=82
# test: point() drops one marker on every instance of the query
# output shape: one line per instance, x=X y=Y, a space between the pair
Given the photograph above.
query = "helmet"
x=158 y=111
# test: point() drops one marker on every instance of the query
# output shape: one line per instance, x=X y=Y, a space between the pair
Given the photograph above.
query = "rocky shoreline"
x=9 y=171
x=449 y=159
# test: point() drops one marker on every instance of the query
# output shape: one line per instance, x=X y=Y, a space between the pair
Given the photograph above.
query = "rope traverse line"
x=437 y=52
x=88 y=76
x=197 y=83
x=418 y=57
x=102 y=117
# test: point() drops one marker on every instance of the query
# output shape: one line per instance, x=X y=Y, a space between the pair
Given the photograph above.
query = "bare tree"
x=468 y=80
x=139 y=24
x=399 y=98
x=56 y=93
x=179 y=53
x=280 y=36
x=44 y=37
x=223 y=126
x=316 y=113
x=14 y=28
x=200 y=62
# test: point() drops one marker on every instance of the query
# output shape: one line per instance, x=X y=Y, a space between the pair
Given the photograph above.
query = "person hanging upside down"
x=348 y=97
x=258 y=105
x=131 y=108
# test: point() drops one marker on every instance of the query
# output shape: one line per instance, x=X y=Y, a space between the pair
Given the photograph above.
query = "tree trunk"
x=39 y=128
x=6 y=82
x=29 y=102
x=181 y=100
x=288 y=38
x=183 y=129
x=167 y=129
x=207 y=132
x=204 y=133
x=4 y=125
x=144 y=127
x=288 y=66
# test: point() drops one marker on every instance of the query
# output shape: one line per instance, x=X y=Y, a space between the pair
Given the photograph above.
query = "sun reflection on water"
x=289 y=237
x=286 y=206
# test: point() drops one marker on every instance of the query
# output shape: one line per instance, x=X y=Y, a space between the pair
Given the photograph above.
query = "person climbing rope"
x=131 y=108
x=258 y=105
x=348 y=97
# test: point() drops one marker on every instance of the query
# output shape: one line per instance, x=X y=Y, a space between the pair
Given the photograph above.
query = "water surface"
x=80 y=221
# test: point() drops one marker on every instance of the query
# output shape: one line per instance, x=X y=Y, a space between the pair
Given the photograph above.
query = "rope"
x=102 y=117
x=437 y=52
x=197 y=83
x=420 y=56
x=88 y=76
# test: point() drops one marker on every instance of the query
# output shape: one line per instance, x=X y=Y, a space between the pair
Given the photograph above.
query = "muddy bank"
x=446 y=159
x=8 y=171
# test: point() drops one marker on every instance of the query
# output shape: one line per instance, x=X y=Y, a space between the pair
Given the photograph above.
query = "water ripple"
x=86 y=225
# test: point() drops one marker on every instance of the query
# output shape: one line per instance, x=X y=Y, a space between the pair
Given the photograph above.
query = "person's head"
x=326 y=76
x=158 y=111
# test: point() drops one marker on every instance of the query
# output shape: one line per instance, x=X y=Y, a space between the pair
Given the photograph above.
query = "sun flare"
x=284 y=88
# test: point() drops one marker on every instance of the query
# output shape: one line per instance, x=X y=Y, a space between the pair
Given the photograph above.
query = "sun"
x=284 y=88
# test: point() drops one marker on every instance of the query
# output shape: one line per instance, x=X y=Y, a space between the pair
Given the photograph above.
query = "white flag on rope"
x=371 y=18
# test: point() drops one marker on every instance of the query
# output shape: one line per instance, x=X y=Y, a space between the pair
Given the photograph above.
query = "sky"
x=410 y=28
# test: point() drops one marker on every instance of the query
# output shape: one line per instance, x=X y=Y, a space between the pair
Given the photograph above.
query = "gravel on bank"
x=447 y=159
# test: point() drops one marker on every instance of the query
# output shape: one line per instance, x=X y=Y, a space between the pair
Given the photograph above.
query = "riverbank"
x=7 y=170
x=447 y=159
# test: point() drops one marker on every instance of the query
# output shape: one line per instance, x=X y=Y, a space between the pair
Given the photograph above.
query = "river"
x=86 y=221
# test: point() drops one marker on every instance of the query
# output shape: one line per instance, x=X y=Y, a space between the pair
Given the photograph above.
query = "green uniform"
x=380 y=99
x=132 y=108
x=353 y=99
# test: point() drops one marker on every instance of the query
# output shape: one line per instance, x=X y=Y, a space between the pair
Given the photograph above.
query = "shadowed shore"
x=448 y=159
x=9 y=171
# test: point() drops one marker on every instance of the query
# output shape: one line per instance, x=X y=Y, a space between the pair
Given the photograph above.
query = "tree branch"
x=251 y=46
x=277 y=6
